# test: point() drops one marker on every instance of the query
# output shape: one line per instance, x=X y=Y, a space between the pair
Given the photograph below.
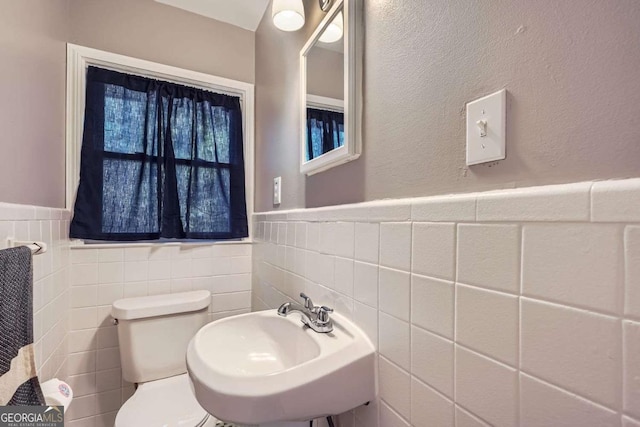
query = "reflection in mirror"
x=325 y=91
x=325 y=131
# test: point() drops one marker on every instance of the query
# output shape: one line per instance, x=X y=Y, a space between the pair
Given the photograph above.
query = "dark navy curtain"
x=325 y=131
x=159 y=160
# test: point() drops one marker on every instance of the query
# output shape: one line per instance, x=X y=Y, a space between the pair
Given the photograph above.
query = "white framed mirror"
x=330 y=88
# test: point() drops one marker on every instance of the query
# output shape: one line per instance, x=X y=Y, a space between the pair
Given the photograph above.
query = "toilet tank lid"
x=160 y=305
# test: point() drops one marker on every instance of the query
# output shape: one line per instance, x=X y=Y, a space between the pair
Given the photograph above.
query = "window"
x=325 y=131
x=159 y=160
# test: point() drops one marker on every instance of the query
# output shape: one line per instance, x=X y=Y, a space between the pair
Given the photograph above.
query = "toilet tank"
x=154 y=332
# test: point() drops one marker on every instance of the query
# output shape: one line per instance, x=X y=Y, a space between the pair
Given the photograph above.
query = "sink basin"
x=261 y=367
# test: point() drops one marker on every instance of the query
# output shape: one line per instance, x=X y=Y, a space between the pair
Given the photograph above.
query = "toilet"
x=153 y=333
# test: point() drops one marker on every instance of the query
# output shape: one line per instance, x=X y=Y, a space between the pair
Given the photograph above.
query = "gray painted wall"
x=277 y=108
x=325 y=73
x=32 y=129
x=33 y=36
x=571 y=69
x=157 y=32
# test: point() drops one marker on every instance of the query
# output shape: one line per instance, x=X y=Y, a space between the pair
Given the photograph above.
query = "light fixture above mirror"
x=325 y=4
x=288 y=15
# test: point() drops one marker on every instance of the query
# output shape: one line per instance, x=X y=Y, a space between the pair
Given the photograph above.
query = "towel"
x=19 y=383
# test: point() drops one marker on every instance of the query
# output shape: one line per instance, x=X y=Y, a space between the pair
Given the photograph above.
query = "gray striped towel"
x=19 y=383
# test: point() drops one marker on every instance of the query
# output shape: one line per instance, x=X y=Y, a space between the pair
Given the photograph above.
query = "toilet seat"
x=168 y=402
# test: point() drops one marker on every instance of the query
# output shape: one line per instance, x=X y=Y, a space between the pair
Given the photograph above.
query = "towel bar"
x=37 y=248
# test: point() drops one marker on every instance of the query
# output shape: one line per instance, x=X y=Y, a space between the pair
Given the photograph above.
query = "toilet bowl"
x=168 y=402
x=153 y=333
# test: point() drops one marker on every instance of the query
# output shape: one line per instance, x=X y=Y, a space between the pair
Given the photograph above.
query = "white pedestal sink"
x=261 y=368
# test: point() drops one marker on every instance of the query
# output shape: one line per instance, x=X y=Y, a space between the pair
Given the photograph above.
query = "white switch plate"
x=277 y=190
x=493 y=110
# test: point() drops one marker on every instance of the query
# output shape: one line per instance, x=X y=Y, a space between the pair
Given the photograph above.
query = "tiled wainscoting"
x=100 y=276
x=74 y=287
x=50 y=277
x=507 y=308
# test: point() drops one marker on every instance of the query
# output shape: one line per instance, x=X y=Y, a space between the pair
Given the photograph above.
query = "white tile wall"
x=389 y=417
x=574 y=348
x=394 y=387
x=487 y=322
x=432 y=360
x=487 y=388
x=505 y=308
x=489 y=256
x=367 y=241
x=365 y=283
x=394 y=340
x=632 y=271
x=103 y=275
x=395 y=290
x=432 y=305
x=631 y=358
x=51 y=280
x=434 y=260
x=74 y=289
x=543 y=404
x=395 y=245
x=428 y=407
x=466 y=419
x=579 y=256
x=616 y=201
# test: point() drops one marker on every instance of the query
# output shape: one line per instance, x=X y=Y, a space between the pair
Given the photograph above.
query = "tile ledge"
x=575 y=188
x=616 y=201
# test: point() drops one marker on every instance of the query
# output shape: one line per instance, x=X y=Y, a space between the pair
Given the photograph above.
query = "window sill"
x=81 y=244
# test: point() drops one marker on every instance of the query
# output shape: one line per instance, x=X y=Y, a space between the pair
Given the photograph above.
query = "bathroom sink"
x=261 y=367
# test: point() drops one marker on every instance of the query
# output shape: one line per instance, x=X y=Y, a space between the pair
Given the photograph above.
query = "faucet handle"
x=323 y=314
x=308 y=304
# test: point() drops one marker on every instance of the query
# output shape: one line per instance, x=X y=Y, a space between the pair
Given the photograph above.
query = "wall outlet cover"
x=277 y=190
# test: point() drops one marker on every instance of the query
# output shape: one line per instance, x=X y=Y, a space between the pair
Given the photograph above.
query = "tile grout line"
x=455 y=316
x=519 y=326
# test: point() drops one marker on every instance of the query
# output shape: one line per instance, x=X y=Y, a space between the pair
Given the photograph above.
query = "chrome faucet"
x=316 y=317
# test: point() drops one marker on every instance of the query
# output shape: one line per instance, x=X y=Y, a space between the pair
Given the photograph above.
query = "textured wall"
x=325 y=73
x=277 y=108
x=33 y=34
x=150 y=30
x=32 y=46
x=570 y=68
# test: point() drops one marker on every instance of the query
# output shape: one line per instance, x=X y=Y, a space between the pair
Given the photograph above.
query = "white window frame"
x=79 y=58
x=324 y=103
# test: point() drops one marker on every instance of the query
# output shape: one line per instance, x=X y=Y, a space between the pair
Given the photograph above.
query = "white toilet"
x=153 y=333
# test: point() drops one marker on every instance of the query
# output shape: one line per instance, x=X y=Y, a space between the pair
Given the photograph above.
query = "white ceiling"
x=241 y=13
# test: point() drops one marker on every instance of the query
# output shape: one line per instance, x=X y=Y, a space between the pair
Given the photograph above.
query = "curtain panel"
x=325 y=131
x=159 y=161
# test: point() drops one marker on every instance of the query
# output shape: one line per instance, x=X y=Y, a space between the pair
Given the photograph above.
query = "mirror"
x=325 y=95
x=330 y=70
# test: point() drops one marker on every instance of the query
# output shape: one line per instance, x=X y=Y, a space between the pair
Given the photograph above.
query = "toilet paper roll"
x=57 y=393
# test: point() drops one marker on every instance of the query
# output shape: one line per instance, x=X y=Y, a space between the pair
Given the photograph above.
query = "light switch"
x=486 y=128
x=277 y=190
